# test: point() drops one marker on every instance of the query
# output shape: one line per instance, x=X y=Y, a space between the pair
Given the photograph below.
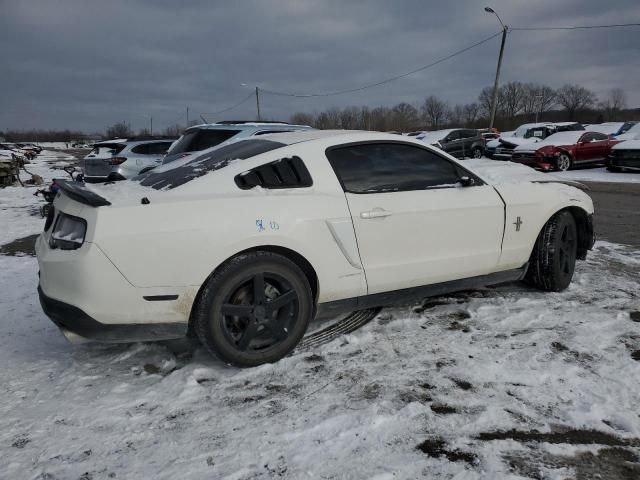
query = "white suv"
x=120 y=159
x=249 y=242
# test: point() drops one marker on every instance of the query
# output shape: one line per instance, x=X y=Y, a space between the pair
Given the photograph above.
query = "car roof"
x=227 y=125
x=344 y=136
x=132 y=141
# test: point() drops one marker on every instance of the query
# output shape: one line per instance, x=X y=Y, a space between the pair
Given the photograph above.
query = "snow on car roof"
x=435 y=135
x=289 y=138
x=606 y=128
x=522 y=129
x=560 y=138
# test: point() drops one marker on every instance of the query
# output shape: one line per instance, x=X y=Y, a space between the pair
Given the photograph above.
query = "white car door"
x=415 y=223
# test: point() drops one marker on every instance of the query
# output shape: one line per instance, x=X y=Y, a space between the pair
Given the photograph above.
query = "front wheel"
x=254 y=309
x=476 y=153
x=564 y=162
x=553 y=259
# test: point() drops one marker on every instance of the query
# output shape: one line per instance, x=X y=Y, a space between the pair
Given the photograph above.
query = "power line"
x=252 y=94
x=615 y=25
x=382 y=82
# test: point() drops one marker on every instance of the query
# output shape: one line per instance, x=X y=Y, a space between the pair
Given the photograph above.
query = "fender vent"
x=284 y=173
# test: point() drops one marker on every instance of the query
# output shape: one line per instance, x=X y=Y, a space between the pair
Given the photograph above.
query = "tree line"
x=517 y=102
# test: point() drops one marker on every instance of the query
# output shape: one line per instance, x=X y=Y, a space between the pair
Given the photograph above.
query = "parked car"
x=564 y=150
x=247 y=243
x=610 y=128
x=30 y=147
x=503 y=147
x=203 y=137
x=625 y=156
x=459 y=142
x=120 y=159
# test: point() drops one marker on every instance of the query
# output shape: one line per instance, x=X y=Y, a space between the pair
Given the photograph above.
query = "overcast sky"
x=86 y=64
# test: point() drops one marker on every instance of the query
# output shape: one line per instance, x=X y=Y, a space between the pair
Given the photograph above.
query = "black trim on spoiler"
x=77 y=192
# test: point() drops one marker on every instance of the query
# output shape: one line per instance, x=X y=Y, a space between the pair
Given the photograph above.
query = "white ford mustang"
x=246 y=244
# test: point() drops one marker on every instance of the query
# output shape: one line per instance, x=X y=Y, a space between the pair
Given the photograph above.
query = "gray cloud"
x=87 y=64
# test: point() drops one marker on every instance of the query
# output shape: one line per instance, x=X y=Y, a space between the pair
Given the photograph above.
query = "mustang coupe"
x=564 y=150
x=246 y=244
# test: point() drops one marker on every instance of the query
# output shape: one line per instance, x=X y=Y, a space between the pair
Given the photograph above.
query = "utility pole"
x=258 y=102
x=187 y=118
x=494 y=99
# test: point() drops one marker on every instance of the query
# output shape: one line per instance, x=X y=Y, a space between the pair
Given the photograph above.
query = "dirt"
x=20 y=247
x=607 y=464
x=437 y=448
x=569 y=436
x=443 y=409
x=634 y=316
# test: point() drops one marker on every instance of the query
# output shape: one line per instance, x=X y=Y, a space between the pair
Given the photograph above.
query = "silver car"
x=121 y=158
x=202 y=137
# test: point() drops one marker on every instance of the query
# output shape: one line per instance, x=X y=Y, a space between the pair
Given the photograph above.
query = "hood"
x=500 y=173
x=627 y=145
x=518 y=140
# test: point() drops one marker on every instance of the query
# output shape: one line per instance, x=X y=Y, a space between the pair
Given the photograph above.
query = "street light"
x=494 y=100
x=257 y=98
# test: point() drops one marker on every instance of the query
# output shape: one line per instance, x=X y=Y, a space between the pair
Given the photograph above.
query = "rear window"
x=174 y=177
x=200 y=139
x=112 y=148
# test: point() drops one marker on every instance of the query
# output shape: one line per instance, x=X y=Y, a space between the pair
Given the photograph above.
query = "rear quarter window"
x=201 y=139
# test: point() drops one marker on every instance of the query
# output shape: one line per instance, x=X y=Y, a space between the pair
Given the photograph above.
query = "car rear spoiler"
x=77 y=192
x=571 y=183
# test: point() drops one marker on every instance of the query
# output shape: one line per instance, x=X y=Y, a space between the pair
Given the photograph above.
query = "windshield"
x=107 y=148
x=539 y=132
x=200 y=139
x=169 y=178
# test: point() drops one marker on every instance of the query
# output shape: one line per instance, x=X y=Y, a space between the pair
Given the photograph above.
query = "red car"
x=564 y=150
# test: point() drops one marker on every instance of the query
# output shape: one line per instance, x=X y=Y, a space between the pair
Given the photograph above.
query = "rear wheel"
x=564 y=162
x=553 y=259
x=254 y=310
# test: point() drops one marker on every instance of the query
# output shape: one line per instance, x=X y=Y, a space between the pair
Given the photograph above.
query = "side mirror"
x=466 y=181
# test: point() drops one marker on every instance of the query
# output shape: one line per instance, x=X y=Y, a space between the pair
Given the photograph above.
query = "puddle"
x=20 y=247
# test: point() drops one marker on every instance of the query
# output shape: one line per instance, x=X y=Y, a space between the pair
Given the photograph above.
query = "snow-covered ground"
x=599 y=175
x=498 y=383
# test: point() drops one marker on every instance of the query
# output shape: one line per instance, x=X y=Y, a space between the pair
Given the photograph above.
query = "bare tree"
x=486 y=98
x=574 y=98
x=615 y=101
x=434 y=111
x=537 y=100
x=350 y=118
x=119 y=130
x=302 y=118
x=471 y=113
x=173 y=131
x=513 y=96
x=405 y=117
x=456 y=115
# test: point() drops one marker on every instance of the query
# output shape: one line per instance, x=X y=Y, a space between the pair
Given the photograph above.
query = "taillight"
x=68 y=232
x=117 y=160
x=49 y=221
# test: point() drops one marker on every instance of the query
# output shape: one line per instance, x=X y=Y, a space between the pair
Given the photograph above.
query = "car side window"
x=141 y=149
x=288 y=172
x=599 y=137
x=587 y=137
x=158 y=147
x=388 y=167
x=453 y=136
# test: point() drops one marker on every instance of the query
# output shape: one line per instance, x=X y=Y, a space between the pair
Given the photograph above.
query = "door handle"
x=375 y=213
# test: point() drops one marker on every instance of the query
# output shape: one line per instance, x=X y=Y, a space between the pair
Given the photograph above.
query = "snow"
x=447 y=370
x=600 y=174
x=560 y=138
x=19 y=208
x=434 y=136
x=606 y=128
x=628 y=145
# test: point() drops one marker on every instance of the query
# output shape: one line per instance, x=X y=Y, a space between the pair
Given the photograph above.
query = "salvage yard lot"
x=505 y=382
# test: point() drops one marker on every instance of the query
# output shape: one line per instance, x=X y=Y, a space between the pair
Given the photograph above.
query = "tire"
x=254 y=309
x=476 y=153
x=611 y=168
x=553 y=259
x=564 y=162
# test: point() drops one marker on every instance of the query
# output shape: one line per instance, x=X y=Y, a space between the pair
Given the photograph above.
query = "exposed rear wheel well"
x=292 y=255
x=584 y=230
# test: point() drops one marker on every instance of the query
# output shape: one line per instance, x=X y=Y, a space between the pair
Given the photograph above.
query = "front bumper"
x=625 y=160
x=77 y=325
x=539 y=163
